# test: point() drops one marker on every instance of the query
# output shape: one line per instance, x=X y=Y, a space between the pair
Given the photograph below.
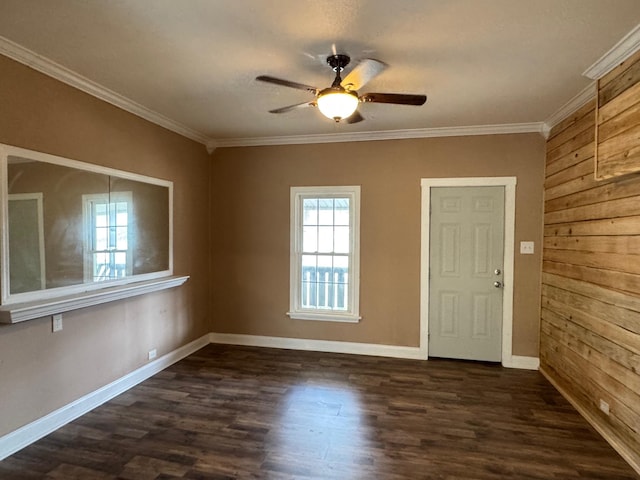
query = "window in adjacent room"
x=107 y=224
x=325 y=223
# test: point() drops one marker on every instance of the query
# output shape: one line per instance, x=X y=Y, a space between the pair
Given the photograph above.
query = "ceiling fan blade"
x=363 y=73
x=397 y=98
x=293 y=107
x=287 y=83
x=355 y=117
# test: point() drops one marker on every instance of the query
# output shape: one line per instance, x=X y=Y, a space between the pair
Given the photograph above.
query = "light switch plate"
x=526 y=248
x=56 y=322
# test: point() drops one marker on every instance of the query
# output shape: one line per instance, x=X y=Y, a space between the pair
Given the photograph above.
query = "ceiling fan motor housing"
x=338 y=62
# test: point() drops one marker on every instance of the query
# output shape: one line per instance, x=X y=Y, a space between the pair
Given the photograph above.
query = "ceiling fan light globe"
x=337 y=104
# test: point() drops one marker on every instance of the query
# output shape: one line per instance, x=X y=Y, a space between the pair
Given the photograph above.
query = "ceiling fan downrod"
x=337 y=63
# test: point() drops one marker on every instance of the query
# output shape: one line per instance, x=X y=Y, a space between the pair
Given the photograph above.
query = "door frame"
x=509 y=184
x=38 y=197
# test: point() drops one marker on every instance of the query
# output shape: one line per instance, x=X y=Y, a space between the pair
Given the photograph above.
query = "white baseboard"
x=376 y=350
x=319 y=345
x=629 y=454
x=23 y=436
x=523 y=363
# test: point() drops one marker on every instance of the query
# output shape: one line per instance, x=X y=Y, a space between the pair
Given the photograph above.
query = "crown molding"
x=622 y=50
x=587 y=94
x=49 y=67
x=534 y=127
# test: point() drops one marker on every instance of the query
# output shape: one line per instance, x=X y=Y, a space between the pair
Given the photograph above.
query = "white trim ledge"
x=630 y=455
x=324 y=317
x=376 y=350
x=24 y=436
x=20 y=312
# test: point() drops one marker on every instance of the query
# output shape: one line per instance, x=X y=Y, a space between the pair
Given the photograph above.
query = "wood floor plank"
x=229 y=412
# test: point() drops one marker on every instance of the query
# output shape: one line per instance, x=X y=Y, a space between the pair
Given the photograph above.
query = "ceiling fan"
x=341 y=99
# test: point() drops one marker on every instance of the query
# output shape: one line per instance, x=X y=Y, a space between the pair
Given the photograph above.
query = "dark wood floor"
x=244 y=413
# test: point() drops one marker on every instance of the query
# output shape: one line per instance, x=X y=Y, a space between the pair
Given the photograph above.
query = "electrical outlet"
x=526 y=248
x=604 y=406
x=56 y=322
x=153 y=354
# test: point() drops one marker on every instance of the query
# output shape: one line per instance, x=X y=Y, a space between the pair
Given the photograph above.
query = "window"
x=325 y=223
x=107 y=221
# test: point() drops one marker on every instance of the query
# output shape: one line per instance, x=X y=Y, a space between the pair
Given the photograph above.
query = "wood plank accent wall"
x=590 y=325
x=618 y=120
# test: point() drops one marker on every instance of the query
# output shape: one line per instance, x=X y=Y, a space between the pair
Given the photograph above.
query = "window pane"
x=309 y=261
x=324 y=275
x=339 y=290
x=121 y=238
x=325 y=214
x=309 y=274
x=341 y=240
x=308 y=295
x=310 y=211
x=341 y=267
x=112 y=237
x=101 y=239
x=101 y=266
x=341 y=215
x=100 y=208
x=102 y=258
x=122 y=218
x=310 y=239
x=101 y=219
x=309 y=281
x=325 y=264
x=325 y=261
x=120 y=259
x=325 y=239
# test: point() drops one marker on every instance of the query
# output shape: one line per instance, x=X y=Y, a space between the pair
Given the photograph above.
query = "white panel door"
x=466 y=255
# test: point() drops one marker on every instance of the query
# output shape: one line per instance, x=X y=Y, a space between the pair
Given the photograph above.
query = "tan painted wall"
x=250 y=242
x=41 y=371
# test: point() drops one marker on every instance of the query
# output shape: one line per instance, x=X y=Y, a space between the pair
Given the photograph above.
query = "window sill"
x=324 y=317
x=20 y=312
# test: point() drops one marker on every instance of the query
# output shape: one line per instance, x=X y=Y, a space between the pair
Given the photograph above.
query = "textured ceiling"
x=481 y=62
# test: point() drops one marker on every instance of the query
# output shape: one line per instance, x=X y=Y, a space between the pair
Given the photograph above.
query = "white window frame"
x=352 y=314
x=88 y=224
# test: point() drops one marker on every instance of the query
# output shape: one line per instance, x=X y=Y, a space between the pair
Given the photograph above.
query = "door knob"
x=497 y=271
x=497 y=284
